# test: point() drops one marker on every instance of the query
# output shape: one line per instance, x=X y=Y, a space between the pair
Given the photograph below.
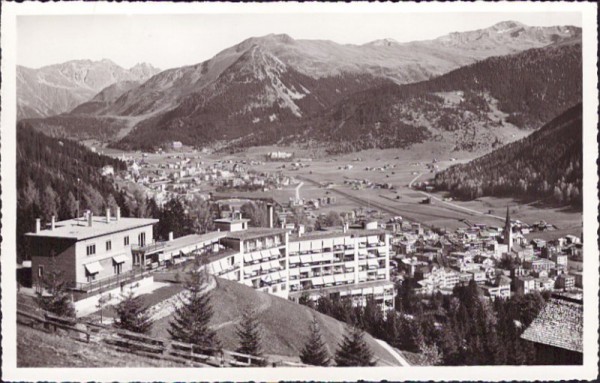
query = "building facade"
x=90 y=252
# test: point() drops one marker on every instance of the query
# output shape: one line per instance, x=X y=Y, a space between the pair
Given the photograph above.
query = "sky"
x=168 y=41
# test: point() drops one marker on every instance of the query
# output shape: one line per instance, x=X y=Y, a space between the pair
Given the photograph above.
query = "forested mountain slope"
x=53 y=173
x=471 y=107
x=545 y=165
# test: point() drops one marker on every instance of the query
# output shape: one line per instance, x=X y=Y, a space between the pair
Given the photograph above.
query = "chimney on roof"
x=170 y=236
x=89 y=218
x=53 y=223
x=107 y=215
x=270 y=210
x=118 y=213
x=38 y=224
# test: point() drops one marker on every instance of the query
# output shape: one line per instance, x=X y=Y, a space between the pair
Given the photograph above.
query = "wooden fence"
x=143 y=345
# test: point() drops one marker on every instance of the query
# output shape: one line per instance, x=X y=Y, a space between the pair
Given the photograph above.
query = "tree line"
x=464 y=328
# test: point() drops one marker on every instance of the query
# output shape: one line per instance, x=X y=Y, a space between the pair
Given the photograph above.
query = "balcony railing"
x=112 y=282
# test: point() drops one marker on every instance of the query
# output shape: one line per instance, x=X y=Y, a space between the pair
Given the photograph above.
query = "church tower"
x=508 y=237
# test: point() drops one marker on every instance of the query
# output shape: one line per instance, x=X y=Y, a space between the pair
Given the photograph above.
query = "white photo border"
x=10 y=372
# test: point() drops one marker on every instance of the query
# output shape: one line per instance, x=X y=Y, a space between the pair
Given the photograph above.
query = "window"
x=90 y=250
x=118 y=268
x=91 y=277
x=108 y=245
x=142 y=239
x=126 y=241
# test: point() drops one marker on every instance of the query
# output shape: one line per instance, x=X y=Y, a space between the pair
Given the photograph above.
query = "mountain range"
x=277 y=89
x=58 y=88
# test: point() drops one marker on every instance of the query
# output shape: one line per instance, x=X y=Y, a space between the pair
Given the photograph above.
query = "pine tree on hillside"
x=249 y=332
x=132 y=315
x=354 y=351
x=191 y=320
x=53 y=295
x=315 y=352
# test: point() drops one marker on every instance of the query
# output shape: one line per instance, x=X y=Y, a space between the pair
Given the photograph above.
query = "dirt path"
x=263 y=306
x=393 y=352
x=168 y=306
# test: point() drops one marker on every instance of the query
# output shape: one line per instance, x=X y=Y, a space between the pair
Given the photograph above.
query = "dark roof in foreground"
x=559 y=324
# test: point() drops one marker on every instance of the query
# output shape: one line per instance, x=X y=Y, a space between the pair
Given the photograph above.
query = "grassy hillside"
x=285 y=323
x=36 y=348
x=545 y=165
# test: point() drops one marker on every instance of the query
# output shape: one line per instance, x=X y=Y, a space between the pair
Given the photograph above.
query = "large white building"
x=92 y=253
x=99 y=252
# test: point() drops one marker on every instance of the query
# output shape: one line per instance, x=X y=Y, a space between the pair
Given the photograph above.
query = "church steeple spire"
x=508 y=230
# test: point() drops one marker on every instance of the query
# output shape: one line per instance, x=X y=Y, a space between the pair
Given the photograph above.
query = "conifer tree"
x=249 y=332
x=54 y=296
x=133 y=315
x=191 y=319
x=315 y=352
x=354 y=351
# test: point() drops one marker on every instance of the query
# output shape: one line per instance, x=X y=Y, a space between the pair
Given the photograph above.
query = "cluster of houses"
x=501 y=260
x=190 y=178
x=364 y=183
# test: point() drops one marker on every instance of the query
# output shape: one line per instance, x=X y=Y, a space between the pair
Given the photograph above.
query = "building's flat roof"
x=254 y=232
x=335 y=234
x=231 y=220
x=182 y=242
x=78 y=229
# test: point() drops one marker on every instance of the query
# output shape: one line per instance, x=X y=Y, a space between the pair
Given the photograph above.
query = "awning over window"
x=119 y=259
x=93 y=267
x=305 y=246
x=274 y=264
x=378 y=290
x=372 y=239
x=305 y=258
x=328 y=243
x=317 y=281
x=294 y=272
x=294 y=246
x=372 y=263
x=275 y=253
x=328 y=279
x=216 y=267
x=339 y=278
x=294 y=260
x=264 y=254
x=317 y=257
x=256 y=256
x=316 y=245
x=338 y=241
x=247 y=257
